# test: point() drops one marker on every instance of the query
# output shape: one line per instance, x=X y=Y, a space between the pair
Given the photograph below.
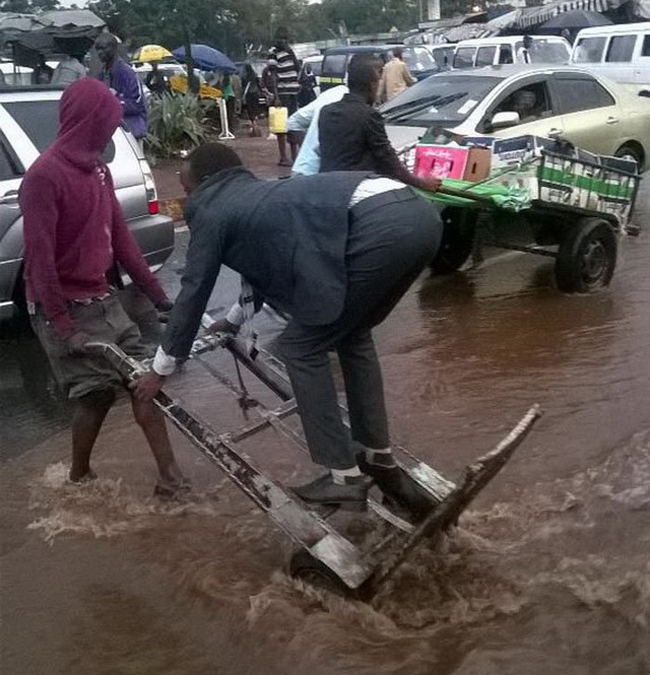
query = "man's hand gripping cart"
x=324 y=557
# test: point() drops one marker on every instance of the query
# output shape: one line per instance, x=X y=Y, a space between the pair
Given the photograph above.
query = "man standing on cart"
x=336 y=252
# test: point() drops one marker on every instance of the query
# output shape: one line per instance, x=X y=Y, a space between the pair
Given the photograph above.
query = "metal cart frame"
x=324 y=557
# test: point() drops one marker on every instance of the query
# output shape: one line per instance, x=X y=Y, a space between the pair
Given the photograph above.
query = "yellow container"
x=278 y=120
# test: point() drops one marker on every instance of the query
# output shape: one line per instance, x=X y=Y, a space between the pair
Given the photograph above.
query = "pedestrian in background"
x=251 y=96
x=283 y=70
x=119 y=76
x=237 y=88
x=42 y=74
x=69 y=70
x=395 y=77
x=156 y=82
x=307 y=86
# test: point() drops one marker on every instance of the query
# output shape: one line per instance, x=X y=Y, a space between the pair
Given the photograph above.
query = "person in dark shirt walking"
x=75 y=233
x=352 y=134
x=119 y=76
x=252 y=92
x=156 y=81
x=307 y=86
x=283 y=69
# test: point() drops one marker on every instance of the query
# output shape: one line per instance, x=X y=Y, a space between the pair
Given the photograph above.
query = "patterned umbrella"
x=152 y=53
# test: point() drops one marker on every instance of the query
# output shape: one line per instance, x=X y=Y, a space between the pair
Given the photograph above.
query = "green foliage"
x=176 y=123
x=28 y=6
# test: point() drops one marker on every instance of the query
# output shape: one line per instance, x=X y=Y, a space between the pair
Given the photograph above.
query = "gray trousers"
x=391 y=238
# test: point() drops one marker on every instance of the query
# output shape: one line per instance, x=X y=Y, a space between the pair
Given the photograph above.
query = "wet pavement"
x=549 y=571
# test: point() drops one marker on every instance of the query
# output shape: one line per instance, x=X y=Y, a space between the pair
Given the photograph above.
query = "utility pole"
x=192 y=80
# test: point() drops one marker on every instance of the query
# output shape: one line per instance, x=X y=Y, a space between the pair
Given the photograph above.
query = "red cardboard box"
x=450 y=161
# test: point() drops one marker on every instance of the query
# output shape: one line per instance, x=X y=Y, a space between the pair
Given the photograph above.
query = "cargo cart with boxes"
x=571 y=205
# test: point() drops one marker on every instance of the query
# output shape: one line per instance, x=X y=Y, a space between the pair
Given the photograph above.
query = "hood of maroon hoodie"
x=89 y=114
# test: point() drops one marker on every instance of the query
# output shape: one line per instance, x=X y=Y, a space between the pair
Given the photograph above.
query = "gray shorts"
x=103 y=321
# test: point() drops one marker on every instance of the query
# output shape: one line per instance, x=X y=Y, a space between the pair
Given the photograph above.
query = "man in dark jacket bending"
x=336 y=251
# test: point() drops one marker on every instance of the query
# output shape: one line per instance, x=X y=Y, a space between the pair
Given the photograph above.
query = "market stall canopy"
x=546 y=12
x=206 y=58
x=49 y=34
x=152 y=53
x=468 y=31
x=504 y=21
x=80 y=18
x=578 y=18
x=641 y=10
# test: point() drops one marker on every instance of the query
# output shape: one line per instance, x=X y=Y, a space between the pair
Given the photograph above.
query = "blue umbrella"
x=206 y=58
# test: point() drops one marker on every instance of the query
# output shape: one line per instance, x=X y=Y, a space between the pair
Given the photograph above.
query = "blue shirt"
x=306 y=119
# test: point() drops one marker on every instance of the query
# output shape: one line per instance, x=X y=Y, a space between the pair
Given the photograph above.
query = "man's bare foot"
x=79 y=479
x=170 y=490
x=285 y=162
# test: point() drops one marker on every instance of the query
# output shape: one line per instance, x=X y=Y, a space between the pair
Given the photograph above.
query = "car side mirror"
x=503 y=120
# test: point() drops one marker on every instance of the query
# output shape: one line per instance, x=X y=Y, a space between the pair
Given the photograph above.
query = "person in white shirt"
x=523 y=53
x=69 y=70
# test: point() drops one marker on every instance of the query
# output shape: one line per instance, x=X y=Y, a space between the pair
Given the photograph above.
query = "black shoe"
x=396 y=486
x=353 y=496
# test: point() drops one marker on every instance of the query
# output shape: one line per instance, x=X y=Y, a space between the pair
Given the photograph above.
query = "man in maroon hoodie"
x=74 y=234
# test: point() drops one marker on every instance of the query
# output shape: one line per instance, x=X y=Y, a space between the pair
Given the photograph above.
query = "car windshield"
x=418 y=59
x=440 y=99
x=545 y=51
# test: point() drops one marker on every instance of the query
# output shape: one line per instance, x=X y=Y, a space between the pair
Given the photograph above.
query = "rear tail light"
x=153 y=205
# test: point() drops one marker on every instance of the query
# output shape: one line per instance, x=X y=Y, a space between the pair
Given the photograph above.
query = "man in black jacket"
x=336 y=252
x=352 y=134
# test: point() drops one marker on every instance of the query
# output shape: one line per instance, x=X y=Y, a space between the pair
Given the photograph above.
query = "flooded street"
x=548 y=572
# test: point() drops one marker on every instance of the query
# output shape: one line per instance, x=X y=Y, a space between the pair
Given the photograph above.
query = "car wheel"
x=587 y=257
x=631 y=153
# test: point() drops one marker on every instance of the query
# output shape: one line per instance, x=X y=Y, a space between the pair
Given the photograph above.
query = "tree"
x=233 y=25
x=28 y=6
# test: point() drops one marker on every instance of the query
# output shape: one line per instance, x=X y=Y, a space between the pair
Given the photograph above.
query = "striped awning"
x=546 y=12
x=468 y=31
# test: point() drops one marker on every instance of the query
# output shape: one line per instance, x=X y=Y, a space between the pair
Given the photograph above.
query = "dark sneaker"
x=170 y=491
x=353 y=496
x=396 y=486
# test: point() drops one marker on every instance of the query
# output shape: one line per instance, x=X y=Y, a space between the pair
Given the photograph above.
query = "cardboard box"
x=478 y=141
x=452 y=161
x=519 y=148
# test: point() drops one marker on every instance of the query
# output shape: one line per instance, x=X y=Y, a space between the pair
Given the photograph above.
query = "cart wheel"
x=312 y=571
x=457 y=240
x=587 y=257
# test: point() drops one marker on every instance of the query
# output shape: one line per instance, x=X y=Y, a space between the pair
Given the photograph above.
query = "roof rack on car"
x=31 y=87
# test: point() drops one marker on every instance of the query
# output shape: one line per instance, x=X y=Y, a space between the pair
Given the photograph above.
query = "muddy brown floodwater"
x=548 y=572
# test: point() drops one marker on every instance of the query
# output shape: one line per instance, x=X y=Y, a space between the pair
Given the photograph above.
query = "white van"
x=621 y=52
x=503 y=50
